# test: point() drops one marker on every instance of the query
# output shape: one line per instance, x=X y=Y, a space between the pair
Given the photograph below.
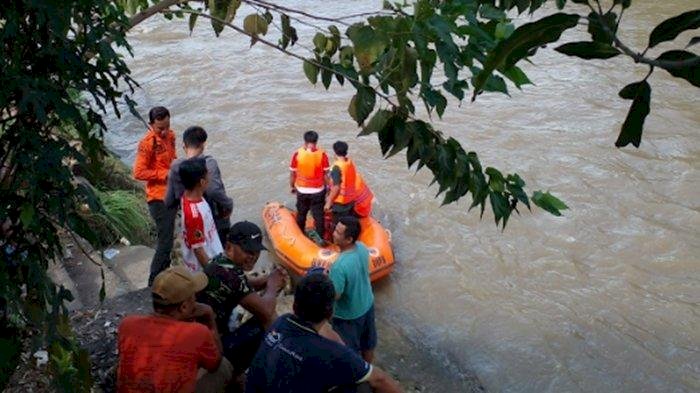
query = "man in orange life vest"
x=153 y=158
x=307 y=178
x=349 y=195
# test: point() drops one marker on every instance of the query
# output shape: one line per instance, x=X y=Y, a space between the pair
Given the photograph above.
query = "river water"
x=606 y=298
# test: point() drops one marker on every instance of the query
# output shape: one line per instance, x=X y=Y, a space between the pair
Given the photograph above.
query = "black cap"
x=247 y=235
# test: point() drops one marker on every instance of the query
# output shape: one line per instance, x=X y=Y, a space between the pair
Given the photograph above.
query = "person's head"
x=346 y=231
x=159 y=119
x=311 y=137
x=243 y=244
x=193 y=174
x=174 y=290
x=340 y=149
x=314 y=298
x=194 y=137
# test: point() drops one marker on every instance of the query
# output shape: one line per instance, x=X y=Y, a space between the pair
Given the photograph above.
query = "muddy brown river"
x=606 y=298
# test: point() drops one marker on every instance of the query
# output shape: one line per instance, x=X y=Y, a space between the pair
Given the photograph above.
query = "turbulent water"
x=606 y=298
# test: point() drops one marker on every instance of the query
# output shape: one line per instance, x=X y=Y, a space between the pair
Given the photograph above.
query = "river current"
x=605 y=298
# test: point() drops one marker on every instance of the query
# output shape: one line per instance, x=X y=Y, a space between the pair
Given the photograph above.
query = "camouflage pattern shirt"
x=228 y=285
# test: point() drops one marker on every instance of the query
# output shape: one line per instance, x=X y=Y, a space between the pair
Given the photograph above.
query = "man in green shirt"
x=353 y=318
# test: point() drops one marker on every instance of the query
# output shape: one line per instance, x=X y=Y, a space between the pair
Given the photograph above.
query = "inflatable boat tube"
x=299 y=253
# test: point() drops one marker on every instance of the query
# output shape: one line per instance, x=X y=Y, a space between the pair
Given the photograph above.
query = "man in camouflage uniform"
x=229 y=286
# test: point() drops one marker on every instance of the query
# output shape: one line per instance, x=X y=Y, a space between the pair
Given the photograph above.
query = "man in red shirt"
x=307 y=178
x=155 y=153
x=177 y=348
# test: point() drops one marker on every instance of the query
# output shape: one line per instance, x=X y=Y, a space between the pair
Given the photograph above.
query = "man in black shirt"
x=295 y=358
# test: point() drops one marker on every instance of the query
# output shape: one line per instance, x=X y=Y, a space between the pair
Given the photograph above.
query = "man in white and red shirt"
x=307 y=178
x=200 y=238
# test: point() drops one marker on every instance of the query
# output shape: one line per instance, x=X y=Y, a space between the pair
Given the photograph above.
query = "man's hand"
x=204 y=314
x=276 y=279
x=327 y=206
x=292 y=190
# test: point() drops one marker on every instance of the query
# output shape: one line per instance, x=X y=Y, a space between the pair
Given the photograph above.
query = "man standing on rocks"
x=296 y=358
x=155 y=153
x=354 y=308
x=177 y=348
x=194 y=140
x=229 y=286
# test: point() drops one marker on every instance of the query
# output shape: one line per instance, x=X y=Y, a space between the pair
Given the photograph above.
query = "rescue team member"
x=155 y=153
x=177 y=348
x=229 y=287
x=200 y=239
x=307 y=178
x=194 y=140
x=354 y=307
x=349 y=195
x=295 y=358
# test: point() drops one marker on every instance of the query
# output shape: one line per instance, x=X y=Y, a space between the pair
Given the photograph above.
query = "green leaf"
x=504 y=30
x=362 y=104
x=523 y=40
x=640 y=93
x=26 y=216
x=326 y=72
x=588 y=50
x=624 y=3
x=693 y=41
x=487 y=11
x=289 y=34
x=232 y=9
x=378 y=121
x=255 y=25
x=320 y=42
x=689 y=73
x=548 y=202
x=192 y=21
x=670 y=28
x=218 y=9
x=368 y=45
x=515 y=186
x=561 y=4
x=311 y=71
x=500 y=207
x=436 y=100
x=496 y=180
x=599 y=26
x=517 y=76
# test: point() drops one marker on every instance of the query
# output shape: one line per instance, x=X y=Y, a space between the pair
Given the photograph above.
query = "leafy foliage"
x=50 y=49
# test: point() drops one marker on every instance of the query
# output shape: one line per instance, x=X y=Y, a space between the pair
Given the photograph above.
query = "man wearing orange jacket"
x=155 y=153
x=349 y=195
x=307 y=178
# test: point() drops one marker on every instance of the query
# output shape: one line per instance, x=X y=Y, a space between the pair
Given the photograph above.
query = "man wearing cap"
x=229 y=286
x=295 y=357
x=177 y=348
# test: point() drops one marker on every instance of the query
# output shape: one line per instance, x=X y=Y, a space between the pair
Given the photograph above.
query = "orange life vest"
x=309 y=168
x=353 y=188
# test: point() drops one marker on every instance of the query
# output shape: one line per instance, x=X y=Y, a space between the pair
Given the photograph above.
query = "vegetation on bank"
x=391 y=59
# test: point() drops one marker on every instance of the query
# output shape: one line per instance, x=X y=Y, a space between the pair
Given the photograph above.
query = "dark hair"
x=314 y=298
x=340 y=148
x=310 y=137
x=352 y=227
x=157 y=113
x=192 y=171
x=161 y=308
x=194 y=136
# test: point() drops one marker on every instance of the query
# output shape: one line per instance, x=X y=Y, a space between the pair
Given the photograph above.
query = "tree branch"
x=276 y=7
x=152 y=10
x=639 y=57
x=285 y=51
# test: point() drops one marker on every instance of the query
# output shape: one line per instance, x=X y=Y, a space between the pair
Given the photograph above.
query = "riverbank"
x=95 y=325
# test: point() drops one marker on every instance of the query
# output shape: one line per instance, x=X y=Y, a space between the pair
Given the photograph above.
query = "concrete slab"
x=132 y=265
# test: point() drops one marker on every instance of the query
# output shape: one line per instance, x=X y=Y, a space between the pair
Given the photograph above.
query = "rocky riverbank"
x=95 y=326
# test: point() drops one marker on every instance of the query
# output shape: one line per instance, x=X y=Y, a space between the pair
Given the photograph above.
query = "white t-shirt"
x=198 y=230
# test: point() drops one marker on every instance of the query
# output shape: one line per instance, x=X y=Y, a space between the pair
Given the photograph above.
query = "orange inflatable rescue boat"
x=299 y=253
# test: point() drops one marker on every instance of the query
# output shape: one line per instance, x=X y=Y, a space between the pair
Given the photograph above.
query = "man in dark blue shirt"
x=294 y=358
